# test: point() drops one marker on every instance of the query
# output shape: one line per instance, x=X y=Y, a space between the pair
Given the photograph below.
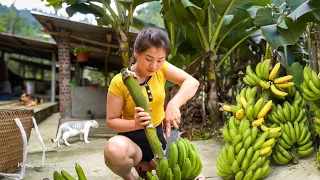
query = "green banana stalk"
x=134 y=88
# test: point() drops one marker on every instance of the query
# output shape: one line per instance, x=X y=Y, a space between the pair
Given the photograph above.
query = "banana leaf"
x=289 y=30
x=278 y=2
x=197 y=12
x=127 y=3
x=296 y=70
x=221 y=5
x=184 y=11
x=263 y=17
x=294 y=4
x=84 y=9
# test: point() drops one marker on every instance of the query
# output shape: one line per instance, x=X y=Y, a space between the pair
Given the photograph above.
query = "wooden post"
x=53 y=77
x=22 y=69
x=106 y=72
x=42 y=71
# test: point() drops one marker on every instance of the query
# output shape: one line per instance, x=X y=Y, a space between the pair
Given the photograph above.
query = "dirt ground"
x=90 y=157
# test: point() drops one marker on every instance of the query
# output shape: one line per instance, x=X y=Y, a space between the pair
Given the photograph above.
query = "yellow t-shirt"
x=156 y=84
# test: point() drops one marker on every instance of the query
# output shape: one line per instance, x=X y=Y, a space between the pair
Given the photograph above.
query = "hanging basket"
x=11 y=142
x=82 y=57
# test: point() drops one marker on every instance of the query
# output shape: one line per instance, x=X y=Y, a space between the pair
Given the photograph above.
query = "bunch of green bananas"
x=274 y=131
x=246 y=157
x=231 y=130
x=310 y=85
x=150 y=176
x=260 y=77
x=184 y=162
x=292 y=93
x=288 y=112
x=315 y=108
x=316 y=122
x=318 y=156
x=294 y=141
x=254 y=109
x=66 y=176
x=247 y=106
x=288 y=137
x=316 y=125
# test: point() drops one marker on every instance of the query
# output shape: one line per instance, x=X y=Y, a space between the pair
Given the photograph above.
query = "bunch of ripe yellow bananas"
x=66 y=176
x=262 y=77
x=310 y=85
x=184 y=162
x=293 y=134
x=245 y=155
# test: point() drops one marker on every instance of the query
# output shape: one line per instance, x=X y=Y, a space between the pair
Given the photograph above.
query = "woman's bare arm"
x=114 y=121
x=188 y=88
x=188 y=85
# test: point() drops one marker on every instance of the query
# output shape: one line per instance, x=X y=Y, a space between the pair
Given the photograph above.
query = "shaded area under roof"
x=27 y=46
x=94 y=37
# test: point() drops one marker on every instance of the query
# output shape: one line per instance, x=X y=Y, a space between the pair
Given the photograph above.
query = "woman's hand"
x=172 y=118
x=141 y=118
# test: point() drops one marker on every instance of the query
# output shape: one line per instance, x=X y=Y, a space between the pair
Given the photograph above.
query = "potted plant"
x=82 y=53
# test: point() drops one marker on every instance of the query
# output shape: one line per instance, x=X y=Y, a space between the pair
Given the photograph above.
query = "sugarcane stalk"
x=139 y=99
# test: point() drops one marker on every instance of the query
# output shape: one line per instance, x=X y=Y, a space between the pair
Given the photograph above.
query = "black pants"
x=139 y=137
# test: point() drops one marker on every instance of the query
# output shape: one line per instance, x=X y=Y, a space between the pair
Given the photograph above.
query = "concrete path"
x=90 y=157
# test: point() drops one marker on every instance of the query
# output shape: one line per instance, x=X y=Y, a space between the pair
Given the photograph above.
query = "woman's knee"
x=118 y=148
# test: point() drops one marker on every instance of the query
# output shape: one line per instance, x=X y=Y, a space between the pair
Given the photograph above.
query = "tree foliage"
x=24 y=24
x=151 y=13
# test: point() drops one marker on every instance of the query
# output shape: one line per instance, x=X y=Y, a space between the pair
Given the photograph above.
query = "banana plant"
x=292 y=24
x=121 y=18
x=210 y=28
x=293 y=33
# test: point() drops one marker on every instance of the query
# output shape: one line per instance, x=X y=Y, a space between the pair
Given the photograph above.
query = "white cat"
x=73 y=128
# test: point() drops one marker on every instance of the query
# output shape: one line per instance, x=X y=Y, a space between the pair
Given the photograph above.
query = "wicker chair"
x=15 y=130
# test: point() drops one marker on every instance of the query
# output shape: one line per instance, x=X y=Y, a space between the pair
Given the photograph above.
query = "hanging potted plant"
x=82 y=53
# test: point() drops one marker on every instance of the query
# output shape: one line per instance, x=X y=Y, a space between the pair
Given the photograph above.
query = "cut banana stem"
x=139 y=99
